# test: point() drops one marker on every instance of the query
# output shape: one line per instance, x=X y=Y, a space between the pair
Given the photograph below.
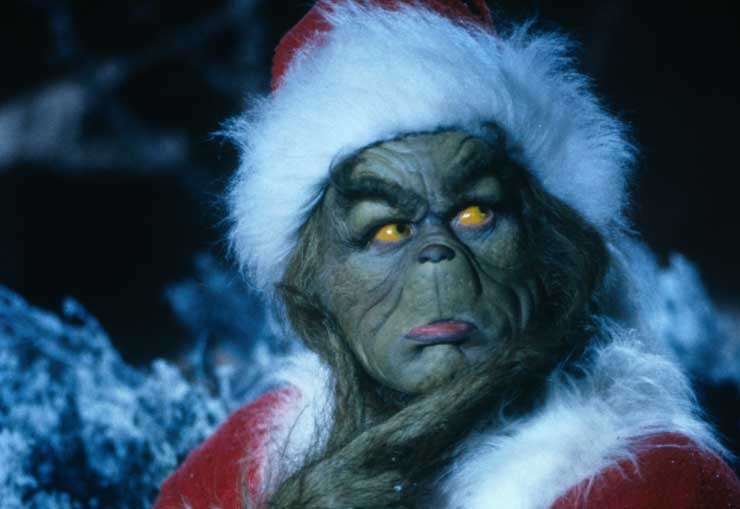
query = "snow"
x=231 y=328
x=79 y=428
x=704 y=338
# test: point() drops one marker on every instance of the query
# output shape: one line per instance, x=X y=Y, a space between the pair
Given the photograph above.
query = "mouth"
x=441 y=331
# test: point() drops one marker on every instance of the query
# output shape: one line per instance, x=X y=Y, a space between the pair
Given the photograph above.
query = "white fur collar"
x=586 y=424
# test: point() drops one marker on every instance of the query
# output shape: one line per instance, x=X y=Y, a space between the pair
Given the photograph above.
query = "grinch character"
x=435 y=206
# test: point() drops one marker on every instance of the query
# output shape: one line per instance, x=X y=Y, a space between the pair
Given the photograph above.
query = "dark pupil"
x=403 y=229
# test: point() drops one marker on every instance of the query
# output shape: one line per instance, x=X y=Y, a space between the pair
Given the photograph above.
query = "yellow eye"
x=474 y=216
x=390 y=233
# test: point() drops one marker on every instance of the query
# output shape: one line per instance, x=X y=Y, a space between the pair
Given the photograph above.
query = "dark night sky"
x=115 y=237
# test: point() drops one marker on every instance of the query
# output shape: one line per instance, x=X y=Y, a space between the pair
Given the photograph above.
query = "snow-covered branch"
x=79 y=428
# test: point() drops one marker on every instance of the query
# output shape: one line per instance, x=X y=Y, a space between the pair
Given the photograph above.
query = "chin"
x=434 y=366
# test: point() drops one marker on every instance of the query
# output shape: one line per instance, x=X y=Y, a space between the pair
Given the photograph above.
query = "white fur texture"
x=380 y=74
x=584 y=427
x=304 y=419
x=586 y=424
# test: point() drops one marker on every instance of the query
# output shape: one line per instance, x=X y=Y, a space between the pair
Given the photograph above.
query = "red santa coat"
x=666 y=470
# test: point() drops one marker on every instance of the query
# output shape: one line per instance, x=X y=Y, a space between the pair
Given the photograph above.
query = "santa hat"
x=352 y=73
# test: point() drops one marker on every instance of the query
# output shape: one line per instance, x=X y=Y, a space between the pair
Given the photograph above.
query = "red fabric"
x=313 y=25
x=670 y=472
x=214 y=475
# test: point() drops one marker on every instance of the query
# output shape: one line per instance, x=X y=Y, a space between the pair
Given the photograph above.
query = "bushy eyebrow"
x=500 y=168
x=458 y=183
x=352 y=190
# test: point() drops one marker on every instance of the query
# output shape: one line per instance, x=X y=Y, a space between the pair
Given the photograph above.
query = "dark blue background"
x=115 y=235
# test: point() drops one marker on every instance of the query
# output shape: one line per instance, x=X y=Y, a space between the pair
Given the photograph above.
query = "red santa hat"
x=352 y=73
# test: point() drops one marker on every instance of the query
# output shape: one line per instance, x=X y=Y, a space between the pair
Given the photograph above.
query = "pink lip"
x=442 y=331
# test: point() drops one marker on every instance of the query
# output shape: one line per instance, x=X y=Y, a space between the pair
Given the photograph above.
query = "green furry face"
x=426 y=270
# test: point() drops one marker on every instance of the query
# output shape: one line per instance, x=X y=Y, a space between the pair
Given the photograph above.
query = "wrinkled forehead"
x=440 y=160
